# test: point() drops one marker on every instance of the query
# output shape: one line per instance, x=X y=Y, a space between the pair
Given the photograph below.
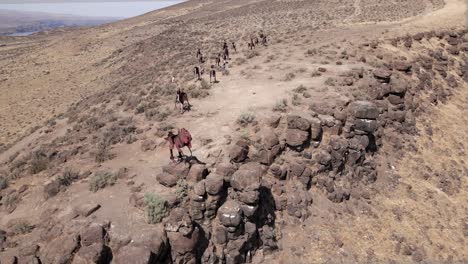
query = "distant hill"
x=12 y=22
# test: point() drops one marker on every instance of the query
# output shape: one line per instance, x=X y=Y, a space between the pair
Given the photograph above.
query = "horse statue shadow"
x=191 y=160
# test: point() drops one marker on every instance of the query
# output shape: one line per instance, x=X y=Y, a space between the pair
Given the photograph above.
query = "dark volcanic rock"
x=364 y=109
x=247 y=177
x=230 y=214
x=168 y=180
x=296 y=138
x=297 y=122
x=60 y=250
x=238 y=153
x=382 y=75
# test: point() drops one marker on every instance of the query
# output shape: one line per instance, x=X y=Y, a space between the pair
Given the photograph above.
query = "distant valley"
x=24 y=23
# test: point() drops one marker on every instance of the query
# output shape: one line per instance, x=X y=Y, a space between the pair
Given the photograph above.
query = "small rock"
x=87 y=209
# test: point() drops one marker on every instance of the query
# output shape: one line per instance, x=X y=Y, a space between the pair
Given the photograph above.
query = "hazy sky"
x=95 y=8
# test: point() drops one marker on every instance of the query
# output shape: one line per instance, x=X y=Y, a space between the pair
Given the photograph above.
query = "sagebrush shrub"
x=156 y=208
x=281 y=105
x=245 y=119
x=102 y=179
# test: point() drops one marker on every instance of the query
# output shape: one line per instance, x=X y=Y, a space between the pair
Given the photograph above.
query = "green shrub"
x=38 y=163
x=281 y=105
x=102 y=179
x=245 y=119
x=103 y=152
x=156 y=208
x=68 y=177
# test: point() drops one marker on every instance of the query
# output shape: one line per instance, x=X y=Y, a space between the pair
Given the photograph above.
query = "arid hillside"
x=339 y=140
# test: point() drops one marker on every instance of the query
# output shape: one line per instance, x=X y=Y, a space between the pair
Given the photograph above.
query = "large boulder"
x=366 y=125
x=364 y=110
x=230 y=214
x=134 y=255
x=296 y=138
x=226 y=170
x=166 y=179
x=60 y=250
x=238 y=153
x=179 y=221
x=247 y=177
x=269 y=139
x=214 y=183
x=180 y=170
x=197 y=173
x=297 y=122
x=183 y=244
x=398 y=86
x=267 y=156
x=93 y=234
x=94 y=254
x=155 y=240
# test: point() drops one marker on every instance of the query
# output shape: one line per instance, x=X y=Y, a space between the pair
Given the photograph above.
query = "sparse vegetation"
x=205 y=85
x=182 y=188
x=156 y=208
x=240 y=61
x=281 y=105
x=103 y=152
x=102 y=179
x=245 y=119
x=295 y=100
x=68 y=177
x=22 y=227
x=311 y=52
x=38 y=162
x=300 y=89
x=301 y=70
x=330 y=81
x=289 y=76
x=10 y=201
x=251 y=54
x=161 y=114
x=3 y=183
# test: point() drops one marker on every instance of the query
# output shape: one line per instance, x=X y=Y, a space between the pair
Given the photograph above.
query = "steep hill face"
x=341 y=140
x=50 y=71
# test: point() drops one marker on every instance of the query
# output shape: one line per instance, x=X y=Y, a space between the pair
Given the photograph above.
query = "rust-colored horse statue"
x=179 y=141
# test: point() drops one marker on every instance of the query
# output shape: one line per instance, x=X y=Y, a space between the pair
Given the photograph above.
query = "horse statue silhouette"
x=179 y=141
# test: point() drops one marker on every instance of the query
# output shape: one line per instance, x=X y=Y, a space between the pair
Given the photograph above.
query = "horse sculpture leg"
x=190 y=152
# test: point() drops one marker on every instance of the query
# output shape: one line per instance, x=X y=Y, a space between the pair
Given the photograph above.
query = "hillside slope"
x=341 y=141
